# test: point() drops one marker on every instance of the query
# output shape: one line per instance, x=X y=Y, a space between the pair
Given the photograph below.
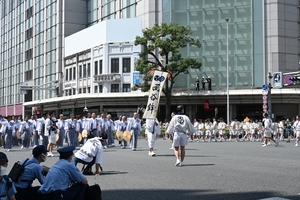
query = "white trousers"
x=151 y=139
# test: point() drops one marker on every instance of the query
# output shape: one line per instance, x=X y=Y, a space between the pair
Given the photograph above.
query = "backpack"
x=17 y=170
x=92 y=192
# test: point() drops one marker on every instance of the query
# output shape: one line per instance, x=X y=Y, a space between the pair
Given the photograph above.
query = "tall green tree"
x=161 y=50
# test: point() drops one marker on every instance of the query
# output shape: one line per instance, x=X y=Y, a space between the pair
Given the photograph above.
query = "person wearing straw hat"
x=180 y=124
x=7 y=188
x=32 y=171
x=90 y=153
x=121 y=126
x=61 y=175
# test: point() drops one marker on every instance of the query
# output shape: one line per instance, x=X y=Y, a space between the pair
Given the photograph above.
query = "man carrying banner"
x=181 y=125
x=151 y=131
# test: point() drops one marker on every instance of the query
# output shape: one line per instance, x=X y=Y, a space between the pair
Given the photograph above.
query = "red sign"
x=265 y=106
x=264 y=97
x=206 y=105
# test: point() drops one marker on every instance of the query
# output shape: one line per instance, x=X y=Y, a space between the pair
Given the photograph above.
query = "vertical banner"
x=157 y=84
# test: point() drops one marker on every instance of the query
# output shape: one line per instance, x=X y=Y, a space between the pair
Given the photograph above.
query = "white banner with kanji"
x=158 y=81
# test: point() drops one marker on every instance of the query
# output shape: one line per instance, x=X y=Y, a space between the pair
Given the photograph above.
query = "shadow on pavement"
x=112 y=172
x=144 y=194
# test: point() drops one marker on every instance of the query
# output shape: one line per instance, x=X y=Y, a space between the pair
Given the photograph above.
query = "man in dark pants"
x=32 y=171
x=61 y=175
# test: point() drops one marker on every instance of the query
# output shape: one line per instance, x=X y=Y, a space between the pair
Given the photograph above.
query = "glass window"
x=96 y=89
x=74 y=73
x=96 y=68
x=89 y=70
x=114 y=87
x=114 y=65
x=126 y=65
x=80 y=71
x=100 y=66
x=70 y=74
x=126 y=87
x=84 y=70
x=100 y=89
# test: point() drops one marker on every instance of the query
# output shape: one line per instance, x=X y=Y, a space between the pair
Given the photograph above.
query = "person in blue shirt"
x=61 y=175
x=32 y=171
x=7 y=188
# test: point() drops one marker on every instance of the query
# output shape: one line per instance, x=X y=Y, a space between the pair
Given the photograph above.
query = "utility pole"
x=270 y=76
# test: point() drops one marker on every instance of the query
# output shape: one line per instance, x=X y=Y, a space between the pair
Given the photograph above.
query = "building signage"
x=136 y=77
x=277 y=80
x=70 y=85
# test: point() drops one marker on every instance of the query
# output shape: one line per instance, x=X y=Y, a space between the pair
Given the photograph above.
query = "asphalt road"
x=226 y=170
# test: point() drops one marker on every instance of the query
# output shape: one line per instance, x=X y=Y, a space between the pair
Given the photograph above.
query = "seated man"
x=32 y=171
x=7 y=188
x=90 y=153
x=61 y=175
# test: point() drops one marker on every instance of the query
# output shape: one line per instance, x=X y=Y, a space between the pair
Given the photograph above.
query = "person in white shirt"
x=90 y=153
x=180 y=125
x=151 y=130
x=207 y=126
x=214 y=128
x=50 y=131
x=135 y=128
x=296 y=126
x=201 y=130
x=221 y=128
x=281 y=129
x=267 y=124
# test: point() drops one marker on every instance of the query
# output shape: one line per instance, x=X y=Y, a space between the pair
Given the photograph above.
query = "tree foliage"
x=161 y=47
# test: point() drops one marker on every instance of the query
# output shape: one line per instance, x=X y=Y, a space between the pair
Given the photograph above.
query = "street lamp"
x=227 y=20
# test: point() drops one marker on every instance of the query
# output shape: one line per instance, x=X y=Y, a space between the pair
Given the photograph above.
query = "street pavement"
x=215 y=170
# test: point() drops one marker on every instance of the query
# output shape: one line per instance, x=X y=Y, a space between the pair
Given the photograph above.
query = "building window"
x=29 y=12
x=67 y=74
x=89 y=90
x=96 y=67
x=126 y=65
x=80 y=90
x=100 y=66
x=74 y=91
x=126 y=87
x=114 y=87
x=114 y=65
x=70 y=74
x=96 y=89
x=89 y=70
x=28 y=54
x=74 y=73
x=84 y=90
x=80 y=71
x=100 y=89
x=28 y=75
x=28 y=34
x=84 y=70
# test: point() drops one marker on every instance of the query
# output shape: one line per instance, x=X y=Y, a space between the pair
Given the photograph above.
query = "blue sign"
x=265 y=87
x=136 y=77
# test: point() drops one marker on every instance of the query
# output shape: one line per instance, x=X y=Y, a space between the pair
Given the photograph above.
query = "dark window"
x=29 y=12
x=126 y=87
x=96 y=67
x=114 y=87
x=28 y=75
x=74 y=91
x=84 y=70
x=100 y=66
x=70 y=74
x=126 y=65
x=28 y=34
x=89 y=90
x=28 y=54
x=84 y=90
x=89 y=70
x=74 y=73
x=100 y=89
x=80 y=90
x=96 y=89
x=80 y=71
x=115 y=65
x=67 y=74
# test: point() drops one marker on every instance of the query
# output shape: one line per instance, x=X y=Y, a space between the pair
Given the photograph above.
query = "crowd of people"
x=247 y=130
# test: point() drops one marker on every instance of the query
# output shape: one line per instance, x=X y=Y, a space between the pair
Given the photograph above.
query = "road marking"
x=274 y=198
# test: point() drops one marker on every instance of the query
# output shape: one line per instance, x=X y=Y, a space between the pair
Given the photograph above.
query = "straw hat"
x=126 y=136
x=56 y=137
x=84 y=133
x=18 y=134
x=119 y=135
x=79 y=137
